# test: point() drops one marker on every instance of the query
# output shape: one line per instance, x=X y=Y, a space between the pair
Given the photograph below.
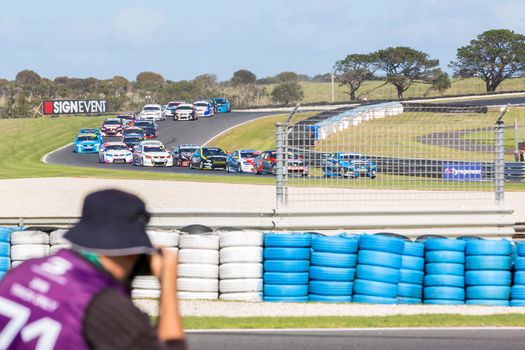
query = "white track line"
x=383 y=329
x=44 y=157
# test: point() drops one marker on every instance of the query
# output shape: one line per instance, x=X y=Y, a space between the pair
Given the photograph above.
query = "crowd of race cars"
x=138 y=146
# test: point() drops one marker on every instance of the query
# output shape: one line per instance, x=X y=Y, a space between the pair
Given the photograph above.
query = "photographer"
x=79 y=298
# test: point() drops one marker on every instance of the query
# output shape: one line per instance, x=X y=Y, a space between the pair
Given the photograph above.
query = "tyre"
x=329 y=298
x=488 y=292
x=519 y=277
x=163 y=238
x=207 y=285
x=270 y=299
x=443 y=302
x=29 y=251
x=322 y=273
x=300 y=240
x=334 y=244
x=411 y=276
x=239 y=168
x=381 y=243
x=197 y=295
x=5 y=249
x=445 y=244
x=493 y=302
x=198 y=256
x=369 y=299
x=331 y=288
x=244 y=285
x=408 y=290
x=57 y=237
x=5 y=263
x=442 y=256
x=519 y=264
x=248 y=297
x=286 y=277
x=444 y=293
x=196 y=241
x=56 y=248
x=29 y=237
x=280 y=290
x=287 y=265
x=444 y=280
x=242 y=270
x=377 y=273
x=488 y=247
x=412 y=263
x=518 y=292
x=370 y=257
x=414 y=249
x=5 y=234
x=520 y=249
x=488 y=262
x=333 y=260
x=445 y=269
x=145 y=282
x=201 y=165
x=517 y=303
x=487 y=278
x=286 y=253
x=198 y=271
x=241 y=239
x=145 y=293
x=379 y=289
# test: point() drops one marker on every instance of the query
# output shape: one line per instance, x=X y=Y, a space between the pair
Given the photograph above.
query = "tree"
x=494 y=56
x=403 y=66
x=439 y=81
x=287 y=76
x=119 y=83
x=353 y=70
x=27 y=77
x=150 y=81
x=287 y=92
x=243 y=76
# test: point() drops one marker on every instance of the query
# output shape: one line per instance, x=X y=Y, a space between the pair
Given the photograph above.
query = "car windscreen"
x=185 y=108
x=143 y=124
x=112 y=122
x=116 y=148
x=87 y=138
x=352 y=157
x=249 y=154
x=220 y=101
x=151 y=109
x=133 y=131
x=154 y=149
x=213 y=152
x=187 y=150
x=132 y=139
x=202 y=104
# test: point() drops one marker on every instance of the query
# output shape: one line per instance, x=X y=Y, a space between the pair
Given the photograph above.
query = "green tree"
x=353 y=70
x=243 y=76
x=150 y=81
x=403 y=66
x=27 y=77
x=287 y=92
x=439 y=81
x=494 y=56
x=287 y=76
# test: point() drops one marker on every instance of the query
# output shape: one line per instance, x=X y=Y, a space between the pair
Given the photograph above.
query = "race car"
x=132 y=140
x=115 y=152
x=150 y=128
x=265 y=163
x=208 y=158
x=348 y=165
x=182 y=154
x=87 y=143
x=112 y=127
x=90 y=131
x=152 y=153
x=171 y=107
x=222 y=105
x=185 y=112
x=128 y=118
x=241 y=161
x=133 y=130
x=152 y=112
x=204 y=109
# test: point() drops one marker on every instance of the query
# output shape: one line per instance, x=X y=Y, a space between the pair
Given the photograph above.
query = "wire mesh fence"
x=391 y=155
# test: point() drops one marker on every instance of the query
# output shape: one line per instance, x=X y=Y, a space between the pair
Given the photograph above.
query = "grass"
x=438 y=320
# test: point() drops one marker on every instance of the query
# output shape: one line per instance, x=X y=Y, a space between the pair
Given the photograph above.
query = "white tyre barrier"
x=29 y=237
x=207 y=285
x=145 y=282
x=249 y=297
x=29 y=251
x=191 y=241
x=55 y=248
x=240 y=270
x=145 y=294
x=163 y=238
x=15 y=263
x=148 y=306
x=241 y=254
x=198 y=271
x=241 y=239
x=57 y=237
x=198 y=256
x=241 y=285
x=197 y=296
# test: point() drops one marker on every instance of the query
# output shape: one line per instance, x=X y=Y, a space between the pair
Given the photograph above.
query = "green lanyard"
x=93 y=258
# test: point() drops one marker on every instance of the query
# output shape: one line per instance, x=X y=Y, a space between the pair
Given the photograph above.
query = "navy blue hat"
x=113 y=223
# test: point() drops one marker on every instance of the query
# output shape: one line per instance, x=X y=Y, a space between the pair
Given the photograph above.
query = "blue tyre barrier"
x=5 y=263
x=520 y=249
x=286 y=277
x=408 y=290
x=412 y=263
x=414 y=249
x=519 y=264
x=381 y=243
x=5 y=233
x=488 y=302
x=372 y=288
x=322 y=273
x=445 y=269
x=333 y=259
x=286 y=253
x=517 y=302
x=5 y=249
x=297 y=240
x=377 y=273
x=445 y=244
x=488 y=292
x=286 y=299
x=403 y=300
x=370 y=257
x=488 y=278
x=444 y=293
x=286 y=265
x=370 y=299
x=280 y=290
x=445 y=281
x=411 y=276
x=443 y=302
x=330 y=298
x=519 y=277
x=488 y=247
x=331 y=288
x=443 y=256
x=488 y=262
x=518 y=292
x=335 y=244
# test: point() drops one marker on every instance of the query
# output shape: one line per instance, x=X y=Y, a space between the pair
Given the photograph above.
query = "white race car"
x=152 y=153
x=204 y=109
x=171 y=107
x=185 y=112
x=152 y=112
x=115 y=152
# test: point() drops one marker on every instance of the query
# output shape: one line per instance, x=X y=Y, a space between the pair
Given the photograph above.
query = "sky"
x=182 y=39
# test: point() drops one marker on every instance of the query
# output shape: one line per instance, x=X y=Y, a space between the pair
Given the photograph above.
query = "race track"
x=391 y=339
x=172 y=133
x=512 y=100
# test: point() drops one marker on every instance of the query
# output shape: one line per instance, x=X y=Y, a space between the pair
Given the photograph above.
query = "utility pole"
x=332 y=77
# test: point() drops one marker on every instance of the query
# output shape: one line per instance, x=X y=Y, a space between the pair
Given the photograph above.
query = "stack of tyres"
x=241 y=269
x=488 y=272
x=518 y=288
x=286 y=267
x=332 y=268
x=5 y=251
x=57 y=241
x=445 y=272
x=378 y=269
x=27 y=245
x=412 y=273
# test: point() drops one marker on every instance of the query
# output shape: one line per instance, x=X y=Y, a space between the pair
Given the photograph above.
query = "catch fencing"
x=384 y=155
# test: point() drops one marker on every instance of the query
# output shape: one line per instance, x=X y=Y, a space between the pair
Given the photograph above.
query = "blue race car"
x=90 y=131
x=222 y=105
x=88 y=143
x=348 y=165
x=204 y=109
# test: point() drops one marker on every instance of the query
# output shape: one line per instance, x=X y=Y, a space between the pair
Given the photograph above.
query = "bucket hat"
x=113 y=223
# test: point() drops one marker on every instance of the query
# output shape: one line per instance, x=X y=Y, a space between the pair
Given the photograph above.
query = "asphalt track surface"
x=393 y=339
x=516 y=100
x=171 y=133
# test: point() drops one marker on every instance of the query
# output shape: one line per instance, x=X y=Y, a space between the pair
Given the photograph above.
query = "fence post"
x=500 y=161
x=280 y=181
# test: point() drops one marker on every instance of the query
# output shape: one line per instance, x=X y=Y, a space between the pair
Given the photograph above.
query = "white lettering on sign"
x=79 y=106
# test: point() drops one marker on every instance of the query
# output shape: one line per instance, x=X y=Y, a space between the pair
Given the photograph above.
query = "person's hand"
x=164 y=265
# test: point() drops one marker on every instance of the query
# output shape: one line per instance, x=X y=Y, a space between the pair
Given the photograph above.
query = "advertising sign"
x=462 y=171
x=51 y=107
